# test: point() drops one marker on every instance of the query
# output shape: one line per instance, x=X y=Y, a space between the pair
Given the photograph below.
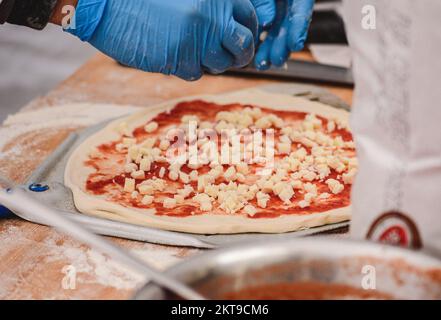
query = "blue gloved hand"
x=287 y=32
x=179 y=37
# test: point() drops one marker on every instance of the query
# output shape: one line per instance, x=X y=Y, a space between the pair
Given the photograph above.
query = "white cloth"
x=32 y=62
x=396 y=116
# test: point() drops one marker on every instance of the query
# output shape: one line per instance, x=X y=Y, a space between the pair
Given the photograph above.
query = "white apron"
x=396 y=121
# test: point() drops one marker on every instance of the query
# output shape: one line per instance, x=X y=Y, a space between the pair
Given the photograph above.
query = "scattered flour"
x=49 y=255
x=106 y=271
x=75 y=115
x=28 y=137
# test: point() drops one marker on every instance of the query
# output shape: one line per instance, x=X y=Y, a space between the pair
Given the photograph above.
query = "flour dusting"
x=45 y=258
x=76 y=115
x=106 y=271
x=28 y=137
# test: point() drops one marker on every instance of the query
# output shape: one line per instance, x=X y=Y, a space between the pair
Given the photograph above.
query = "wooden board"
x=34 y=260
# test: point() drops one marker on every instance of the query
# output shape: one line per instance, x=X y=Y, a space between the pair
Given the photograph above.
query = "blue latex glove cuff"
x=88 y=15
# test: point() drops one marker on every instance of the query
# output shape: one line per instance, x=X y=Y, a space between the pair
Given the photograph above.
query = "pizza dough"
x=76 y=174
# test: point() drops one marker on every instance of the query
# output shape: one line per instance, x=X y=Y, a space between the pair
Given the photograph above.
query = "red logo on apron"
x=395 y=228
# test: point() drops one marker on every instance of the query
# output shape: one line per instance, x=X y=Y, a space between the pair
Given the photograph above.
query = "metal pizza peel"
x=46 y=185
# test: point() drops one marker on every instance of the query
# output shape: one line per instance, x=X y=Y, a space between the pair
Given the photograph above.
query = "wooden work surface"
x=35 y=259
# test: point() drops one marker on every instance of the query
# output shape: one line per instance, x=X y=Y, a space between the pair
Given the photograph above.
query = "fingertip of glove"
x=194 y=77
x=298 y=45
x=241 y=44
x=279 y=54
x=262 y=65
x=297 y=37
x=243 y=62
x=190 y=77
x=278 y=62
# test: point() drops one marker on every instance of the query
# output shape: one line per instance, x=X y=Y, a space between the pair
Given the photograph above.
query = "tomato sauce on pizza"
x=313 y=165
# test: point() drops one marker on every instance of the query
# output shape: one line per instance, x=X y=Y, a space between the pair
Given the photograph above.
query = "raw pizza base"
x=76 y=174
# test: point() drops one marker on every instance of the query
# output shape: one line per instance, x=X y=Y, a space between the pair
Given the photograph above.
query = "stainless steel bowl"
x=328 y=265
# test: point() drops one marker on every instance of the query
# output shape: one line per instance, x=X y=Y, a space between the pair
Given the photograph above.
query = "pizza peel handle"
x=18 y=201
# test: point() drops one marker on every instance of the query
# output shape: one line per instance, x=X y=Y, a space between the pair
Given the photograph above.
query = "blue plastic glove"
x=179 y=37
x=287 y=33
x=266 y=11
